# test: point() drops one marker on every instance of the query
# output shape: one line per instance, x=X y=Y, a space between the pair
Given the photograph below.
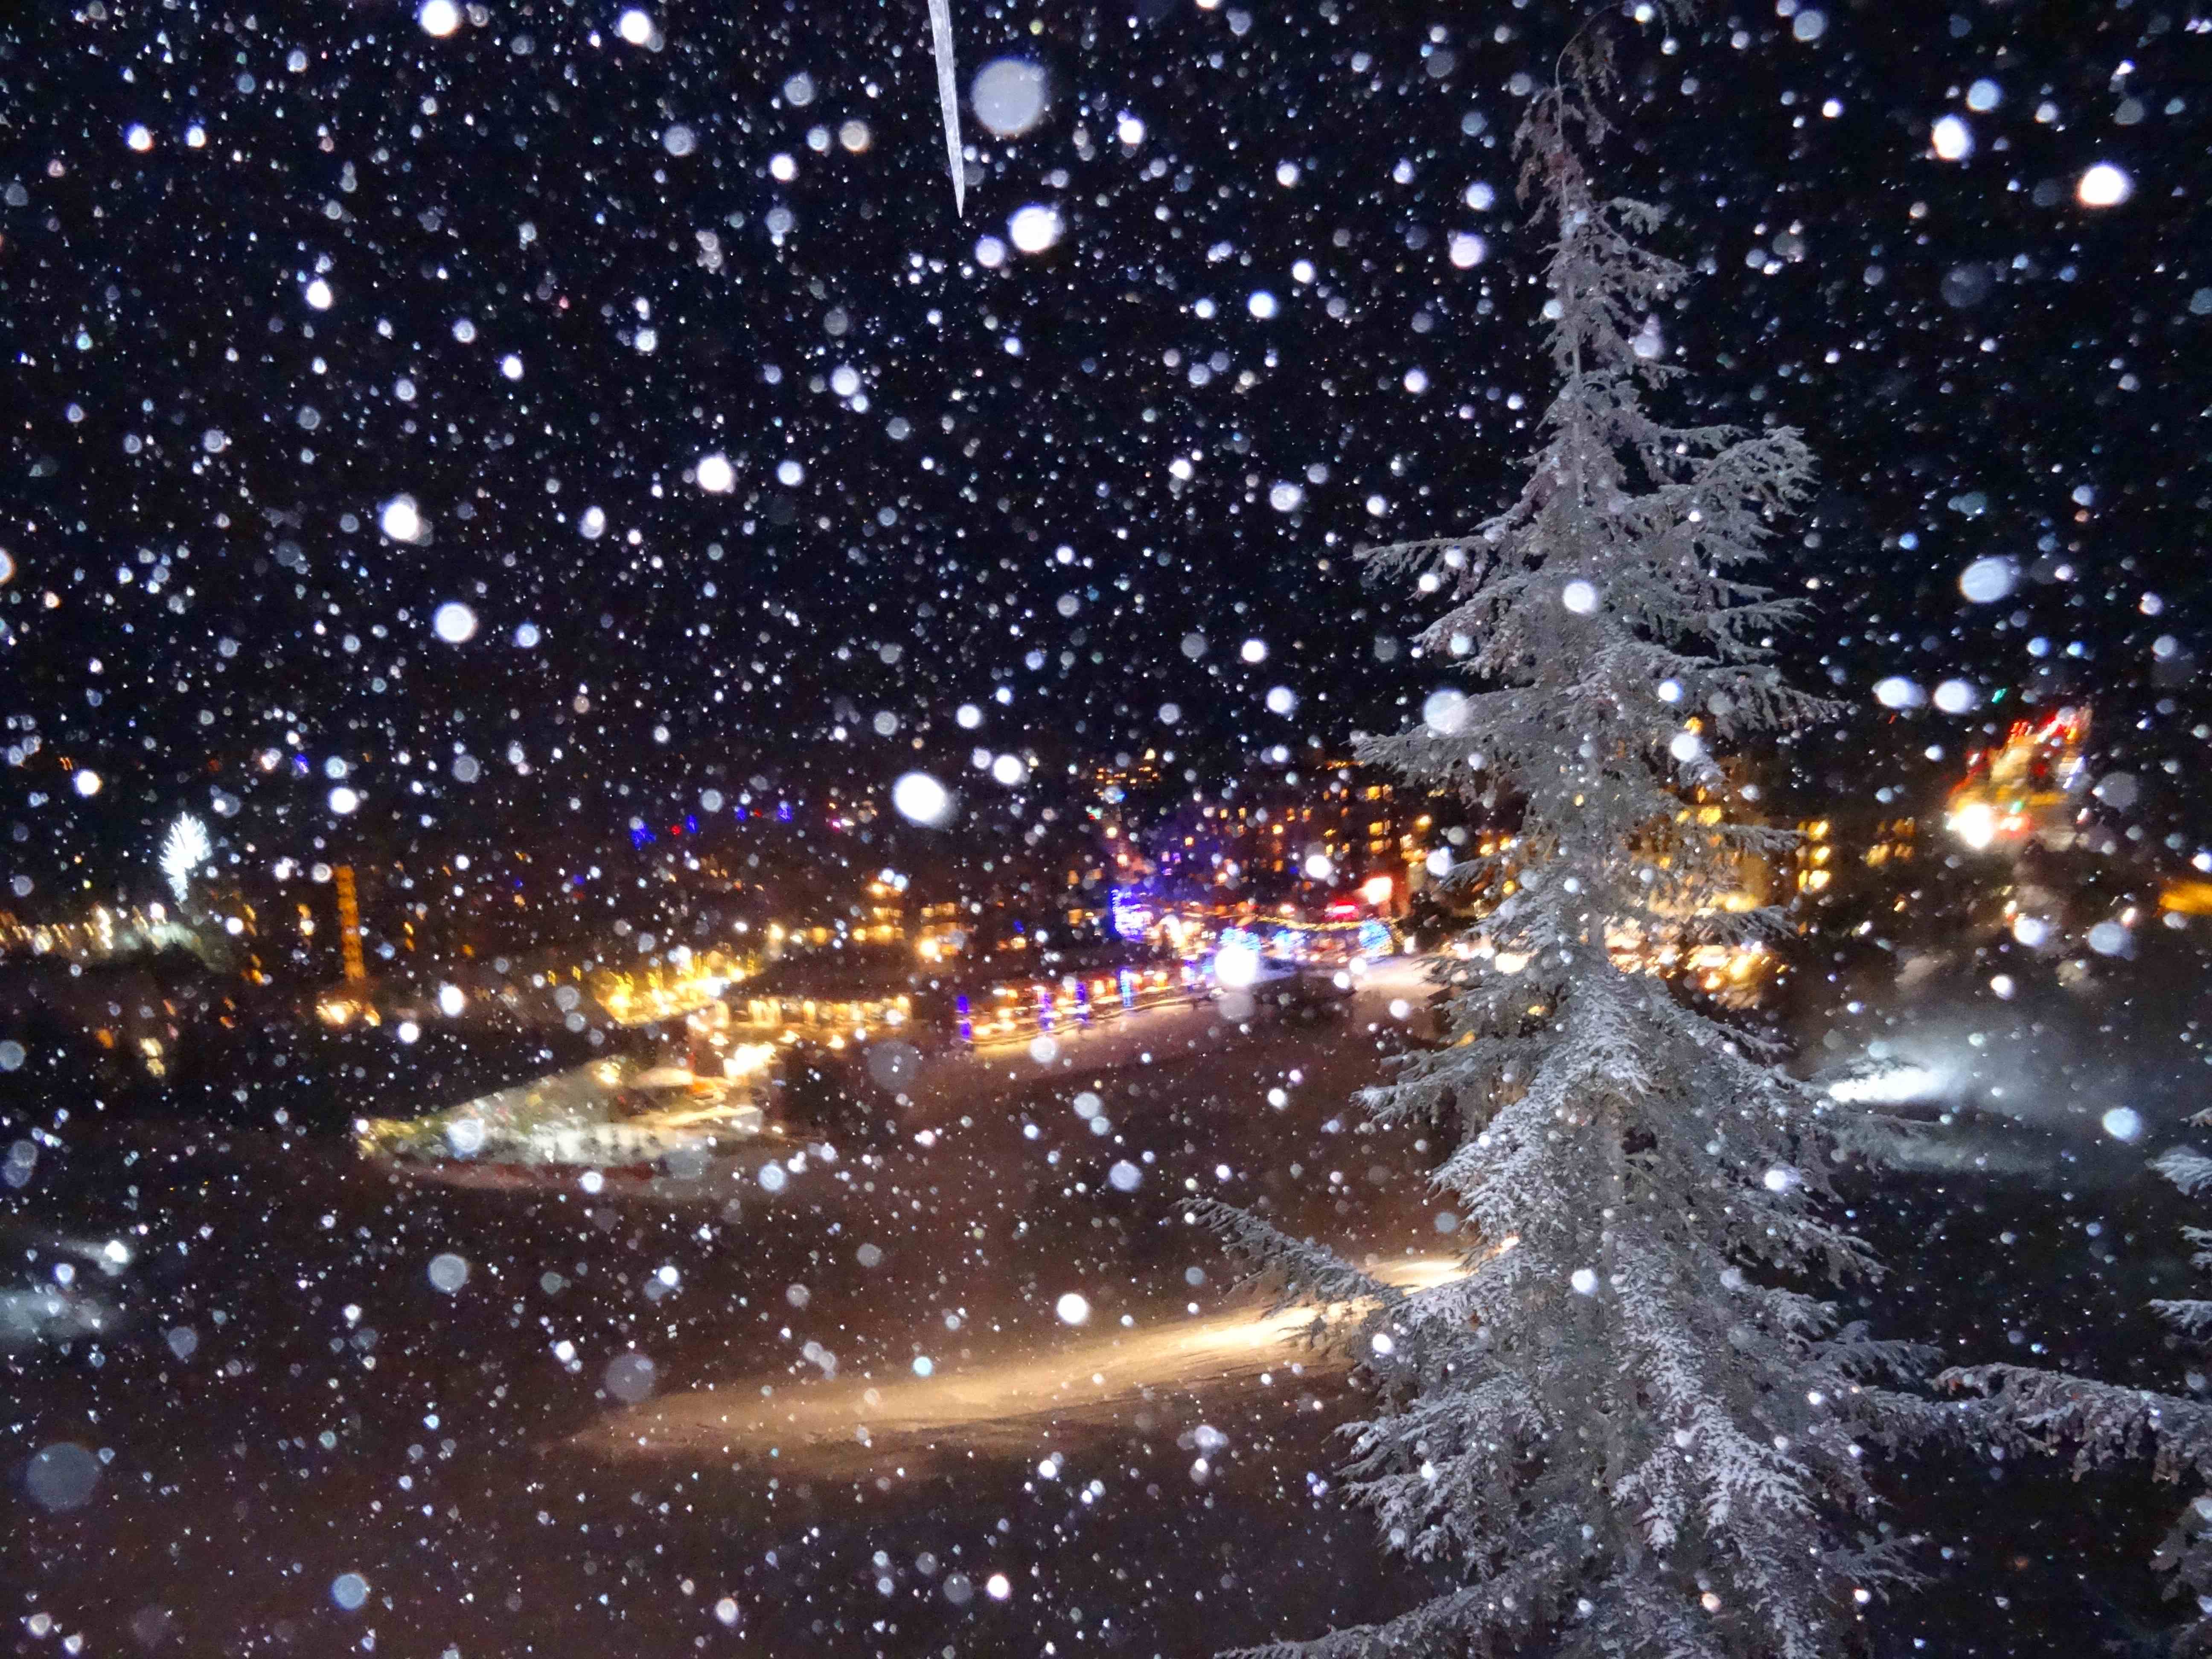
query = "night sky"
x=539 y=316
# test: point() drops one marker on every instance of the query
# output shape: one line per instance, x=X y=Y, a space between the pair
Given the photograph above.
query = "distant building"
x=1274 y=835
x=2027 y=788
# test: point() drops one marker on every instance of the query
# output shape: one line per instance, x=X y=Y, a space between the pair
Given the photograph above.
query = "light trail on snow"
x=1090 y=1379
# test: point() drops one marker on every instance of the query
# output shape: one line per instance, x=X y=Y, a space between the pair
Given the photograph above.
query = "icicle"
x=948 y=94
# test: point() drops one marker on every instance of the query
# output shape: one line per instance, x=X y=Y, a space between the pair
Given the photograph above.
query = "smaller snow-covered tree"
x=1628 y=1428
x=2104 y=1425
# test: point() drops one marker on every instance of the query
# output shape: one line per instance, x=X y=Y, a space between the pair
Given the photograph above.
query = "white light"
x=1072 y=1310
x=1468 y=249
x=1034 y=228
x=2030 y=931
x=592 y=524
x=1286 y=498
x=1129 y=129
x=439 y=18
x=183 y=852
x=343 y=800
x=790 y=473
x=1953 y=139
x=453 y=623
x=1957 y=696
x=1439 y=861
x=1584 y=1280
x=921 y=798
x=450 y=1001
x=2123 y=1123
x=715 y=474
x=968 y=716
x=1445 y=712
x=401 y=519
x=410 y=1031
x=1009 y=96
x=997 y=1586
x=1319 y=867
x=1983 y=96
x=1685 y=747
x=1896 y=691
x=1009 y=771
x=2109 y=938
x=1579 y=597
x=1235 y=966
x=2104 y=185
x=990 y=252
x=634 y=26
x=1281 y=699
x=85 y=781
x=1975 y=824
x=1894 y=1087
x=318 y=294
x=138 y=138
x=1778 y=1180
x=1262 y=304
x=1986 y=581
x=1253 y=651
x=510 y=365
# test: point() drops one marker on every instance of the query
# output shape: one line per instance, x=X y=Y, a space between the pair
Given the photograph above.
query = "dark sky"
x=1984 y=367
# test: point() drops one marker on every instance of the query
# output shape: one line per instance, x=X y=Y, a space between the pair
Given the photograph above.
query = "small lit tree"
x=183 y=852
x=1628 y=1428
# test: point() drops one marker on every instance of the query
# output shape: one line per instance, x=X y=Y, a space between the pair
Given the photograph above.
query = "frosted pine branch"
x=2102 y=1425
x=2187 y=1169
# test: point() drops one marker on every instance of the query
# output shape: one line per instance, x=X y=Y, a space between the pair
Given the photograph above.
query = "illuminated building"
x=2025 y=788
x=1270 y=831
x=943 y=934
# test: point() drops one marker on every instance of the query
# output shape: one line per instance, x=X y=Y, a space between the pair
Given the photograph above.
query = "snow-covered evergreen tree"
x=1629 y=1428
x=2104 y=1425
